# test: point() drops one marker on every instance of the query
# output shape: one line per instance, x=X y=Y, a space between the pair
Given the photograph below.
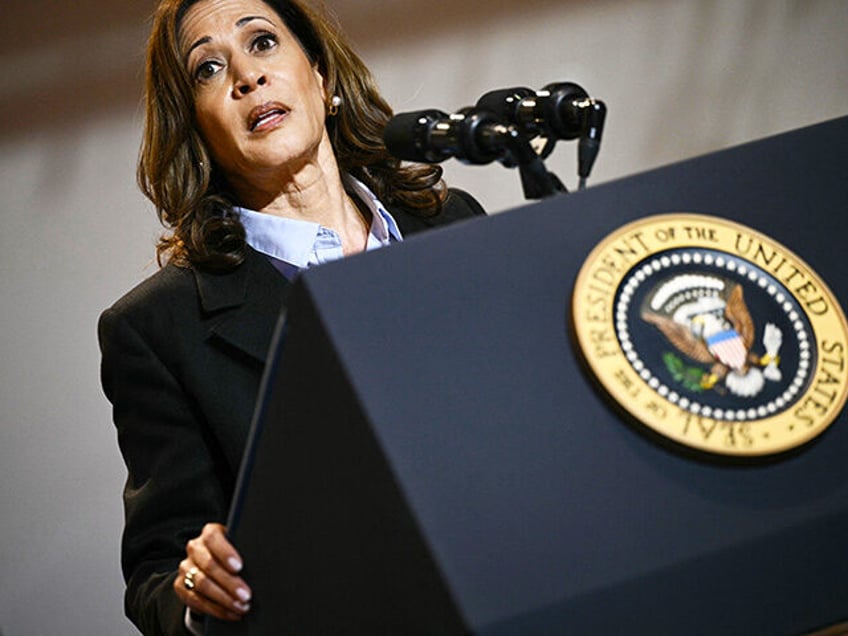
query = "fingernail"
x=242 y=607
x=243 y=594
x=235 y=564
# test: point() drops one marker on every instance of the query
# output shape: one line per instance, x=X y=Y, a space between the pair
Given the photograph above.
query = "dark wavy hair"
x=177 y=173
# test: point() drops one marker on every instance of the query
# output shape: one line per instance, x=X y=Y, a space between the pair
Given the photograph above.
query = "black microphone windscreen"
x=504 y=102
x=406 y=135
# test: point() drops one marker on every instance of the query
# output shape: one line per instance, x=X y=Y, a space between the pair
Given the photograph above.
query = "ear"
x=319 y=78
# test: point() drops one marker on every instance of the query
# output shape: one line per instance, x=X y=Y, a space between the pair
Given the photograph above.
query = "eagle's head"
x=705 y=325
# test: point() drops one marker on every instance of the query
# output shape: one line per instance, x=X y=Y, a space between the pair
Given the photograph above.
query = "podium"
x=429 y=456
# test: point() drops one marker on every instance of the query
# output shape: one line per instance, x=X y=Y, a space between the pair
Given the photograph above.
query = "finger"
x=214 y=582
x=215 y=538
x=202 y=556
x=202 y=605
x=213 y=552
x=205 y=594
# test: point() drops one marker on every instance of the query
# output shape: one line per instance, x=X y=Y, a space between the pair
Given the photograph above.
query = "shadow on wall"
x=389 y=22
x=744 y=84
x=87 y=59
x=69 y=62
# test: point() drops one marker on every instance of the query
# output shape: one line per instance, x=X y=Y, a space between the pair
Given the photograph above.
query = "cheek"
x=202 y=115
x=212 y=124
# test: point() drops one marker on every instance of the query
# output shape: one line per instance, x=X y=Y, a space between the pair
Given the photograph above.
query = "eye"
x=206 y=70
x=264 y=42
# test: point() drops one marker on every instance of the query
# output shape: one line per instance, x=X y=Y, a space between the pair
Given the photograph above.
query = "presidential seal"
x=712 y=335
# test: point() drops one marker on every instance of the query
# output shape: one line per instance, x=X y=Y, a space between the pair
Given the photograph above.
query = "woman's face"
x=259 y=102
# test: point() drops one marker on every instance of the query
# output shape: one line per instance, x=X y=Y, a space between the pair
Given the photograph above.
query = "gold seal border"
x=594 y=326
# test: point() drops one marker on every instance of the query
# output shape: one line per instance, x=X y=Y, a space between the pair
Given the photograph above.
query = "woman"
x=262 y=153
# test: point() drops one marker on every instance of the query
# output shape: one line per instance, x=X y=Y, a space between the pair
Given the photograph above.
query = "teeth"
x=264 y=116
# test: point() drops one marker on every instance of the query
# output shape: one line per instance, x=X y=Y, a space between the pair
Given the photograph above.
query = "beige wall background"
x=680 y=78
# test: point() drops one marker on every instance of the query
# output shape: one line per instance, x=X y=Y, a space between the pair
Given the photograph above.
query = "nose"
x=248 y=84
x=247 y=79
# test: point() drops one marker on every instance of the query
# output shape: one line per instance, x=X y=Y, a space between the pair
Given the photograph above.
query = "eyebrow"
x=239 y=24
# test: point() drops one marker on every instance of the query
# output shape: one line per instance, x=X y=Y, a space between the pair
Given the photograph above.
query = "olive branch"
x=689 y=377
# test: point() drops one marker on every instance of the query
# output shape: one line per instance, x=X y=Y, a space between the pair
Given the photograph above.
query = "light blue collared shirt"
x=293 y=245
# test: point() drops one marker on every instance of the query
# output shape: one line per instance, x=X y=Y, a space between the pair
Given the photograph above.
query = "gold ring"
x=188 y=581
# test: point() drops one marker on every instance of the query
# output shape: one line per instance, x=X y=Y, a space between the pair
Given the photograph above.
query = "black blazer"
x=182 y=358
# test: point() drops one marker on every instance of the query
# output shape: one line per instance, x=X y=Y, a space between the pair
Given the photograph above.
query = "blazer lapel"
x=242 y=307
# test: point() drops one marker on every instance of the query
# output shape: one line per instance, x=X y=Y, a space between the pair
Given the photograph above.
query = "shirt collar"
x=293 y=241
x=287 y=240
x=387 y=228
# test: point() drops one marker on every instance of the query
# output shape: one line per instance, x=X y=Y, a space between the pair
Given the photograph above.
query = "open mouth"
x=266 y=116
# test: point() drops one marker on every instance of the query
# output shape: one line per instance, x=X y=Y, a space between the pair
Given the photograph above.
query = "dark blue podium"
x=429 y=457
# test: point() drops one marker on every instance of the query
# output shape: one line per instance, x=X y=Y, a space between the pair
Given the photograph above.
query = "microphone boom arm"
x=487 y=139
x=536 y=181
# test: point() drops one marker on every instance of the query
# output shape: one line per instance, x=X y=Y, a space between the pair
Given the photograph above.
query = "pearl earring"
x=333 y=109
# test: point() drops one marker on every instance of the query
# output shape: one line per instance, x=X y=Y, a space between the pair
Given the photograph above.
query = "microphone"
x=554 y=110
x=561 y=110
x=471 y=135
x=595 y=112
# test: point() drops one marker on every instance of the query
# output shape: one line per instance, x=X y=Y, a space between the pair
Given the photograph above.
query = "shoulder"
x=187 y=302
x=176 y=288
x=146 y=319
x=169 y=283
x=458 y=206
x=168 y=288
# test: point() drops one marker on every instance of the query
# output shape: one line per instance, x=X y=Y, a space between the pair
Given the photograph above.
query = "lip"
x=266 y=116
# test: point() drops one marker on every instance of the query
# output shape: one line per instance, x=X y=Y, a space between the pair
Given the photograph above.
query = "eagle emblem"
x=706 y=319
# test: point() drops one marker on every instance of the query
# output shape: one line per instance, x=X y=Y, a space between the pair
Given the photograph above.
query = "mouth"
x=266 y=116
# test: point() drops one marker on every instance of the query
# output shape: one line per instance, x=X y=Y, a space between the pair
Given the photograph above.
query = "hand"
x=214 y=565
